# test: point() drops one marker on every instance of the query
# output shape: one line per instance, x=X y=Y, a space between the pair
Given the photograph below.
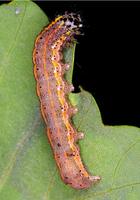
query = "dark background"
x=107 y=59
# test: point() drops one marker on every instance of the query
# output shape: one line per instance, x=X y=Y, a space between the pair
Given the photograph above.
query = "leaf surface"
x=27 y=167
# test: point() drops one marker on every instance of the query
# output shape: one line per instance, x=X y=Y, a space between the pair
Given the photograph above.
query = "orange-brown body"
x=53 y=91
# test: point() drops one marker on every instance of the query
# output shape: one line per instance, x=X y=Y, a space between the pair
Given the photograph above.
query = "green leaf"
x=27 y=167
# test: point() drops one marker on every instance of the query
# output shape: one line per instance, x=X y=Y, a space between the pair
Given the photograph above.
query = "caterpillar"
x=53 y=90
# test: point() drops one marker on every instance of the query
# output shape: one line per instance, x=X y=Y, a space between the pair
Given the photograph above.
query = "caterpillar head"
x=72 y=21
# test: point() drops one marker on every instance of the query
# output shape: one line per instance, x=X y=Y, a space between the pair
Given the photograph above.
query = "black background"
x=107 y=59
